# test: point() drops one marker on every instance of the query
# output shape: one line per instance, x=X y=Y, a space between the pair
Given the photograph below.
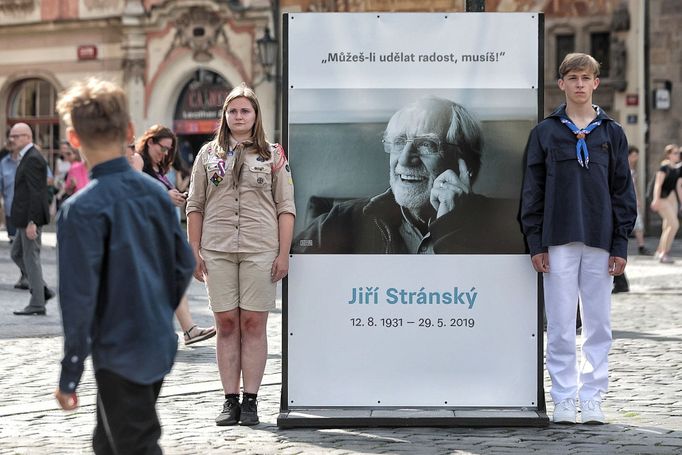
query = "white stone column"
x=134 y=62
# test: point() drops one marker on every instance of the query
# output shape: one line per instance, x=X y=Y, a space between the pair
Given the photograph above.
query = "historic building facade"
x=177 y=59
x=664 y=70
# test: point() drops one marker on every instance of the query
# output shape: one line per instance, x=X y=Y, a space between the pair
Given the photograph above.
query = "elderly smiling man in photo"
x=434 y=146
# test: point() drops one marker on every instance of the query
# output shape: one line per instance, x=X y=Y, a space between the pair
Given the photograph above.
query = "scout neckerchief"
x=581 y=146
x=239 y=158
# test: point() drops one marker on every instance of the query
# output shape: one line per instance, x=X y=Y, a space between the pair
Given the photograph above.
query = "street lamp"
x=267 y=52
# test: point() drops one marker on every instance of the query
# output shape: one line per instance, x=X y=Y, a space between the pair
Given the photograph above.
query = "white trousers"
x=578 y=272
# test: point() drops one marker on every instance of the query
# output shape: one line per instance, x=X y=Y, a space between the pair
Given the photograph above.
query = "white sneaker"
x=591 y=413
x=565 y=411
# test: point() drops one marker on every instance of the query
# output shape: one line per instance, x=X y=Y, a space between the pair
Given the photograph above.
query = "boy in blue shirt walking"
x=578 y=208
x=124 y=264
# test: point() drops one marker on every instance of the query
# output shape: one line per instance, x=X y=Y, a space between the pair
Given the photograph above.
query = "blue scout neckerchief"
x=580 y=134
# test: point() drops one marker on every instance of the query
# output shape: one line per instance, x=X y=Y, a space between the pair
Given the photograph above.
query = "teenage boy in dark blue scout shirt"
x=124 y=264
x=578 y=208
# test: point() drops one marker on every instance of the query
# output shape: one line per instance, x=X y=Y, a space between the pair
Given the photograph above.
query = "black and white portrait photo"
x=432 y=178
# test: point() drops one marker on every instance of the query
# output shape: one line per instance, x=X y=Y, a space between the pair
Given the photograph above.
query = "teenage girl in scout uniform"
x=240 y=220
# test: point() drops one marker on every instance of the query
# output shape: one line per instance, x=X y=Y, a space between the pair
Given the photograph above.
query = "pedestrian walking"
x=638 y=231
x=240 y=219
x=30 y=212
x=8 y=170
x=76 y=177
x=123 y=267
x=157 y=149
x=578 y=209
x=665 y=201
x=620 y=282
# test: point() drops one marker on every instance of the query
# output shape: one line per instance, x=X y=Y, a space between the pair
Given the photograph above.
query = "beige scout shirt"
x=240 y=197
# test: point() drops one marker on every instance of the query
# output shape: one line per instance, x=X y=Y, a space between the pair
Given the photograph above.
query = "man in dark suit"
x=30 y=211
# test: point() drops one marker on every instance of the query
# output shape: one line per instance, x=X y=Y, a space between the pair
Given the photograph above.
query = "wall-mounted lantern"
x=267 y=53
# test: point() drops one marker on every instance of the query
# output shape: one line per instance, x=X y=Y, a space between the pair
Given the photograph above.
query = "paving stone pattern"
x=644 y=404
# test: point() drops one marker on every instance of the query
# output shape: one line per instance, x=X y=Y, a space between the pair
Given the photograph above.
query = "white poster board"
x=346 y=76
x=424 y=50
x=412 y=331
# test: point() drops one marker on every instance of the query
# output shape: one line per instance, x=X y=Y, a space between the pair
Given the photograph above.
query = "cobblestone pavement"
x=644 y=404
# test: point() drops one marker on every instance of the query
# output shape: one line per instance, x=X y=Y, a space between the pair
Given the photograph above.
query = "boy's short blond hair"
x=578 y=61
x=97 y=110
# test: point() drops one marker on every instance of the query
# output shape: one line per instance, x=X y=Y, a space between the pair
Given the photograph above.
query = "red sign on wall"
x=195 y=126
x=87 y=52
x=632 y=99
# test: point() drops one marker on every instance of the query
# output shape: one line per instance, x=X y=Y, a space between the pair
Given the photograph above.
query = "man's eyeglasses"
x=14 y=136
x=424 y=145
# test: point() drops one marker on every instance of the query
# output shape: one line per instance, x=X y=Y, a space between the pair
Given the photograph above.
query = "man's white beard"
x=414 y=198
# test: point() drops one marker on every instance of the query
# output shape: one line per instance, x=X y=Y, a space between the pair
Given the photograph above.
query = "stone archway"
x=198 y=111
x=165 y=88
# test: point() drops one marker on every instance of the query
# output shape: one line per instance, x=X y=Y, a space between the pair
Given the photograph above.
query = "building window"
x=32 y=101
x=565 y=44
x=600 y=49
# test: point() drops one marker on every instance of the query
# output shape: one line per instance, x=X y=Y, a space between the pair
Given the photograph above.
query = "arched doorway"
x=32 y=101
x=198 y=110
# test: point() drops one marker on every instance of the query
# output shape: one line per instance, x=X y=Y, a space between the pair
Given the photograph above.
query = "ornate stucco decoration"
x=618 y=64
x=133 y=69
x=17 y=6
x=199 y=30
x=620 y=21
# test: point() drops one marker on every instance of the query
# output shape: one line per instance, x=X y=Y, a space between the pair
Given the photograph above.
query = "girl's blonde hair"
x=670 y=148
x=222 y=136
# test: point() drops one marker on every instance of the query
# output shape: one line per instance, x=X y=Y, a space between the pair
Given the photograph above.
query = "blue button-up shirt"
x=124 y=264
x=8 y=168
x=563 y=202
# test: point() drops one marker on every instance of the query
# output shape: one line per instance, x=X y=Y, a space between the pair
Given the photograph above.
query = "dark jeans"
x=11 y=228
x=127 y=423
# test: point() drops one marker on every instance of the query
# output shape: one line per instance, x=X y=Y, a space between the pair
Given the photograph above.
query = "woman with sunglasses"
x=157 y=149
x=76 y=177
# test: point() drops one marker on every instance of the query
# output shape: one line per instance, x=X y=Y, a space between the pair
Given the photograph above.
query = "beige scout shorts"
x=239 y=280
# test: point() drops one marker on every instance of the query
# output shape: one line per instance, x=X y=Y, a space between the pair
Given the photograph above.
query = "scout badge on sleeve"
x=280 y=159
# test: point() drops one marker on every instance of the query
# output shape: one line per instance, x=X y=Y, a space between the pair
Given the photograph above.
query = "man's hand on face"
x=447 y=187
